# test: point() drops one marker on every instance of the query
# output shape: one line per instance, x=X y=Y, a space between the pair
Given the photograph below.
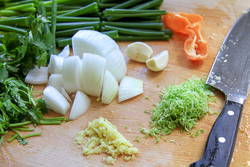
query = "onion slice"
x=70 y=73
x=116 y=64
x=55 y=64
x=91 y=41
x=110 y=88
x=91 y=77
x=65 y=52
x=80 y=105
x=55 y=80
x=55 y=100
x=129 y=87
x=65 y=94
x=37 y=75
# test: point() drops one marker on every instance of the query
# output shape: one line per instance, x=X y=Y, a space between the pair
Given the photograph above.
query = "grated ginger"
x=101 y=136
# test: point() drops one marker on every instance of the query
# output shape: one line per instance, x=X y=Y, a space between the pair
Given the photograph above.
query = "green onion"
x=64 y=42
x=142 y=38
x=20 y=21
x=76 y=19
x=71 y=25
x=71 y=32
x=20 y=7
x=113 y=33
x=168 y=32
x=92 y=8
x=138 y=32
x=9 y=13
x=13 y=29
x=127 y=4
x=53 y=25
x=154 y=26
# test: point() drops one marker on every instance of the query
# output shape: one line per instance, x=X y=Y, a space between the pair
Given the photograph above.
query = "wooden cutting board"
x=55 y=147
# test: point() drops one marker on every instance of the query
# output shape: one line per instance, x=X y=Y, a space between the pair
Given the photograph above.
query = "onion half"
x=91 y=41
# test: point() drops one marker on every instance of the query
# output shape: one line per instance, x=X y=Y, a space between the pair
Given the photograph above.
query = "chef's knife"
x=230 y=73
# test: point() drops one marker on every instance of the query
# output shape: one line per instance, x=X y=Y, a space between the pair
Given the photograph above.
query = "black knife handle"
x=222 y=138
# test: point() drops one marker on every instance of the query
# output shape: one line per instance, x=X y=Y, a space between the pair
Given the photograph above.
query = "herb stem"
x=20 y=124
x=3 y=133
x=24 y=129
x=13 y=137
x=1 y=139
x=54 y=119
x=31 y=135
x=52 y=122
x=17 y=132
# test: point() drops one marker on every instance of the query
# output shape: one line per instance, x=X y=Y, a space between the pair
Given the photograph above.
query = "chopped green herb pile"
x=180 y=106
x=21 y=52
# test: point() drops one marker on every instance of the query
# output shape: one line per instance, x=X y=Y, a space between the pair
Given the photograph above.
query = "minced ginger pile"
x=101 y=136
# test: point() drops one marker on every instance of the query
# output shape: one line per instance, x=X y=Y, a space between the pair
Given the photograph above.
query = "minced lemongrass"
x=80 y=105
x=180 y=106
x=65 y=52
x=70 y=73
x=65 y=94
x=55 y=80
x=92 y=72
x=55 y=100
x=37 y=75
x=129 y=87
x=116 y=64
x=110 y=88
x=55 y=64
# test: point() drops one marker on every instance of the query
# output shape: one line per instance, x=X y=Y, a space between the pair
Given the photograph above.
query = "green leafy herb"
x=21 y=141
x=180 y=106
x=137 y=139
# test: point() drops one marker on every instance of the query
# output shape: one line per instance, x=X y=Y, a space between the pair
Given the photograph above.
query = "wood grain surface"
x=56 y=145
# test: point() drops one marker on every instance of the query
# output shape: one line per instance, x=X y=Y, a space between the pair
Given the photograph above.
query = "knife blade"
x=230 y=74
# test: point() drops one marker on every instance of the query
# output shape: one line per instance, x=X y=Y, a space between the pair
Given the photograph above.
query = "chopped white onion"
x=55 y=100
x=70 y=73
x=37 y=75
x=55 y=64
x=129 y=87
x=91 y=77
x=91 y=41
x=55 y=80
x=80 y=105
x=116 y=64
x=65 y=52
x=110 y=88
x=65 y=94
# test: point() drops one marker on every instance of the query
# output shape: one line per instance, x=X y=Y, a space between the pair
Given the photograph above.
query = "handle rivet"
x=230 y=112
x=222 y=140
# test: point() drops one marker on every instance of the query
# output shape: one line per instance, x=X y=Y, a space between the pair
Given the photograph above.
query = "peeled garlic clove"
x=158 y=62
x=139 y=51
